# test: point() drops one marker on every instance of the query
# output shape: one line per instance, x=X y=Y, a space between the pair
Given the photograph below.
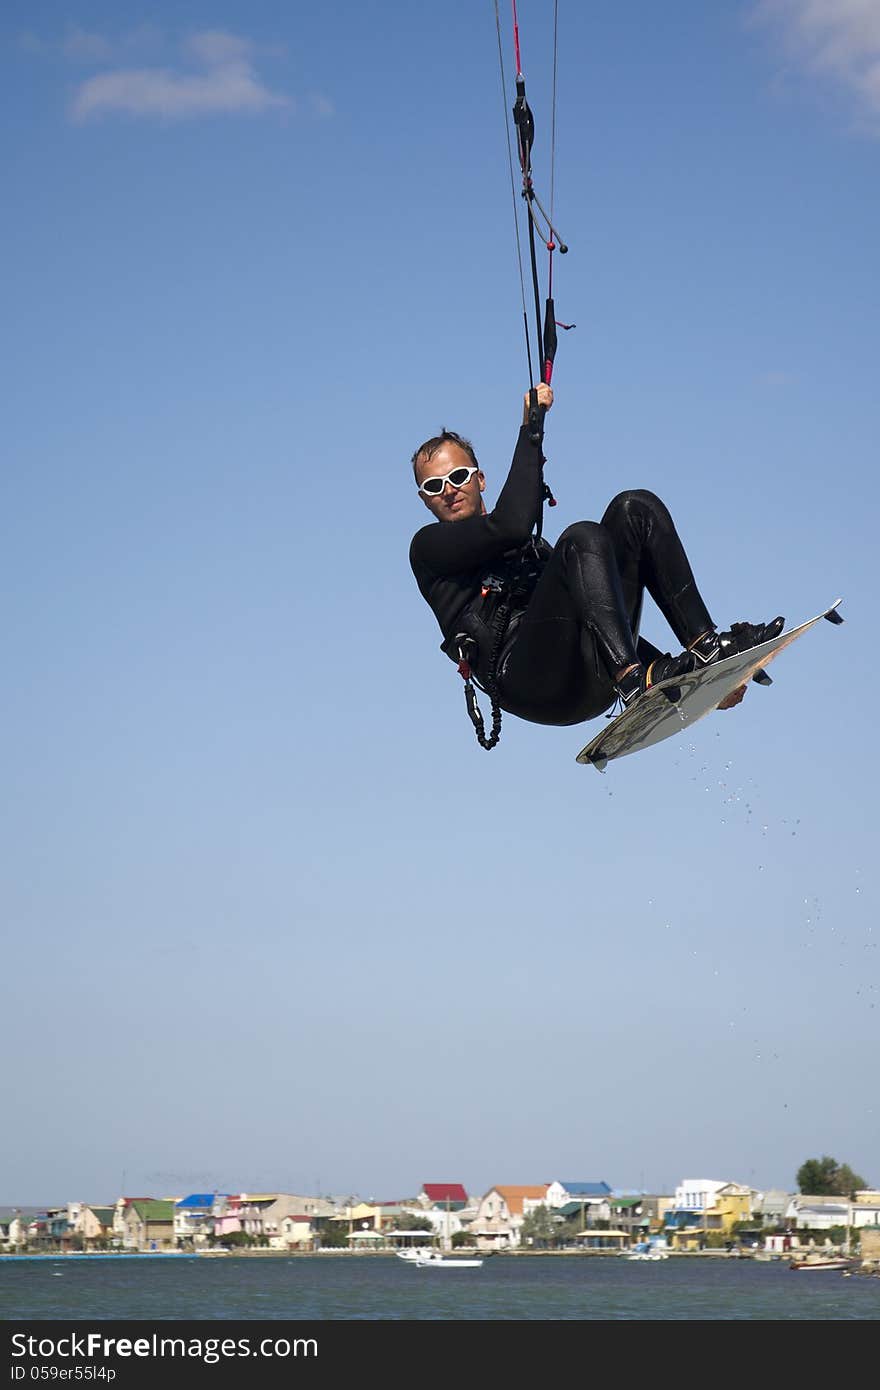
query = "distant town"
x=700 y=1215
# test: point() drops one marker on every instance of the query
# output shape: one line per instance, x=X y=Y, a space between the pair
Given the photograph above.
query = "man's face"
x=453 y=503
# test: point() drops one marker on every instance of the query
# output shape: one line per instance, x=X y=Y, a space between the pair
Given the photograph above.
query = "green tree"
x=816 y=1176
x=333 y=1234
x=539 y=1226
x=408 y=1221
x=849 y=1182
x=570 y=1228
x=825 y=1177
x=235 y=1240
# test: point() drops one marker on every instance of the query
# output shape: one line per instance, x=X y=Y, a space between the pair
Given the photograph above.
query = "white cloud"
x=91 y=49
x=836 y=38
x=213 y=47
x=228 y=82
x=173 y=95
x=138 y=72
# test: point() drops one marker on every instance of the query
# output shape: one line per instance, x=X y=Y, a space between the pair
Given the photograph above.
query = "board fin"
x=833 y=616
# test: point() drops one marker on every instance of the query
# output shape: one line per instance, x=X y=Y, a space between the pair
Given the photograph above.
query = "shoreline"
x=469 y=1252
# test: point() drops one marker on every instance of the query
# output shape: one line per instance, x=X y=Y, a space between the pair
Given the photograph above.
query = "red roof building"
x=441 y=1194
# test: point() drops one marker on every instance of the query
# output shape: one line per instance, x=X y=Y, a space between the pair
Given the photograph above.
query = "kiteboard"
x=654 y=717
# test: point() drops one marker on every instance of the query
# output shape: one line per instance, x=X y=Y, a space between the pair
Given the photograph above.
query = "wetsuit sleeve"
x=447 y=547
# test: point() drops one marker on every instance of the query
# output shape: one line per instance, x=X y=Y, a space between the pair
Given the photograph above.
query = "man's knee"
x=583 y=535
x=634 y=502
x=634 y=496
x=586 y=543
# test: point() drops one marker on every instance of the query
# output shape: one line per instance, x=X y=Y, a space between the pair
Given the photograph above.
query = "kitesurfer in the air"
x=567 y=647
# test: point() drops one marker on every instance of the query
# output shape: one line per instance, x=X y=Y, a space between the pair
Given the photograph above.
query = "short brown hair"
x=427 y=450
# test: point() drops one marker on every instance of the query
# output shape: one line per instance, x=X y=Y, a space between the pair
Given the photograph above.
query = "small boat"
x=432 y=1259
x=646 y=1250
x=822 y=1262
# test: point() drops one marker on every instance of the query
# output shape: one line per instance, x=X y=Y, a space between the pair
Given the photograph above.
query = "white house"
x=865 y=1210
x=295 y=1231
x=697 y=1194
x=817 y=1213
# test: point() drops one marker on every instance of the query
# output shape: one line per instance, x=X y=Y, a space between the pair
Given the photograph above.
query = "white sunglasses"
x=458 y=477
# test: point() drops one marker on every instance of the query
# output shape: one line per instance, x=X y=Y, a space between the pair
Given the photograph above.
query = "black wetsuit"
x=574 y=624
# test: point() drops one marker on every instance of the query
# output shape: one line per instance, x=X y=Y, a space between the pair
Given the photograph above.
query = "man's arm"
x=447 y=547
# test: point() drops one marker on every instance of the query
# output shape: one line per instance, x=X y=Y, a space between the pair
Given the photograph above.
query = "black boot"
x=662 y=668
x=715 y=646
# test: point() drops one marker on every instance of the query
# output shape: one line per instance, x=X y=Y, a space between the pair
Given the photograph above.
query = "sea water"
x=373 y=1287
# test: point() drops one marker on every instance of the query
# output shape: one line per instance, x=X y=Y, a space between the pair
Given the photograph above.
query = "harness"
x=511 y=590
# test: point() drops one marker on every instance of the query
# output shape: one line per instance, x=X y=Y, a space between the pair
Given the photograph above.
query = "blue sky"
x=271 y=918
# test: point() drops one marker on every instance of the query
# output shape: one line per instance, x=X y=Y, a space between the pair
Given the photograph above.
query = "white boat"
x=822 y=1262
x=432 y=1259
x=645 y=1250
